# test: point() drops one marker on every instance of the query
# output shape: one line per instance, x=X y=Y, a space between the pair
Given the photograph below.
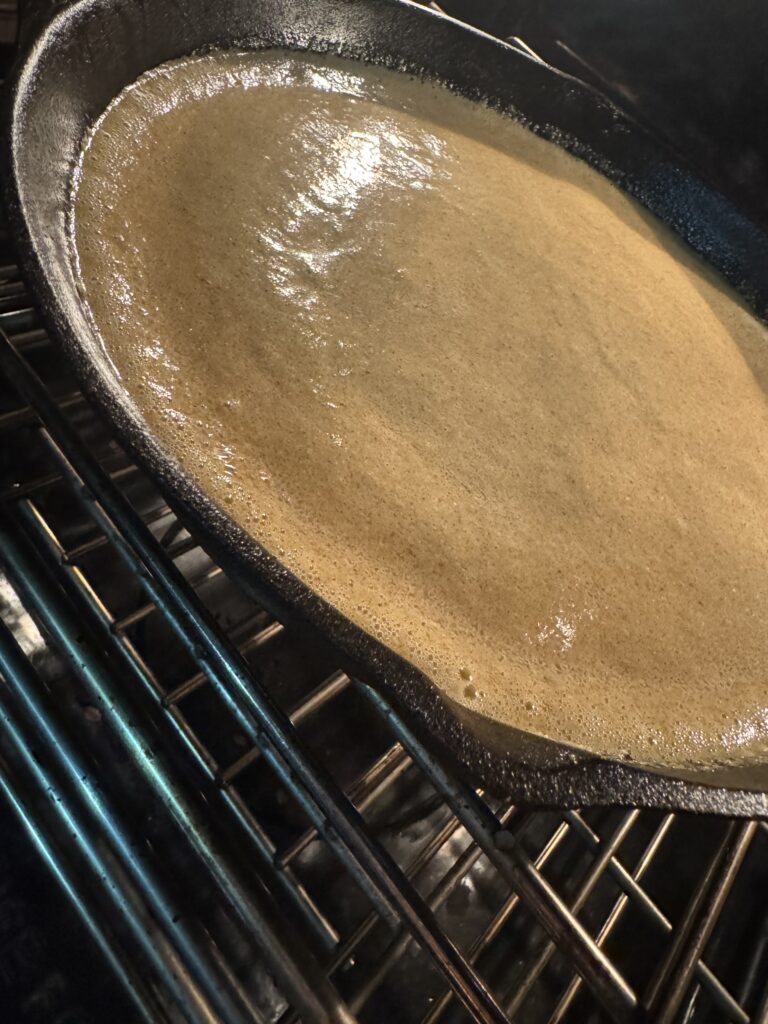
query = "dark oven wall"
x=694 y=70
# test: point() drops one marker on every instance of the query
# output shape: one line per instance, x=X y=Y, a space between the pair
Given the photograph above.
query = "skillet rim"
x=578 y=778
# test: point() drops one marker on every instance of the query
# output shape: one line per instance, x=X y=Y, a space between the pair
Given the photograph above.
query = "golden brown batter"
x=471 y=394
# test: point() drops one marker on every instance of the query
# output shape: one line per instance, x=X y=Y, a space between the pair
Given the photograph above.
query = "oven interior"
x=164 y=860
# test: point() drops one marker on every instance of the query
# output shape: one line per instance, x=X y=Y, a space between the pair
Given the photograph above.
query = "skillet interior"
x=93 y=48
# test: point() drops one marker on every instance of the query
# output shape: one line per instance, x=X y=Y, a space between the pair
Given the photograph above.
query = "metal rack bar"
x=28 y=341
x=252 y=643
x=256 y=714
x=196 y=992
x=309 y=988
x=81 y=889
x=336 y=683
x=41 y=483
x=73 y=555
x=25 y=414
x=93 y=612
x=483 y=941
x=19 y=320
x=147 y=609
x=443 y=834
x=365 y=788
x=520 y=992
x=513 y=864
x=438 y=895
x=667 y=990
x=621 y=904
x=391 y=888
x=761 y=1014
x=634 y=895
x=620 y=874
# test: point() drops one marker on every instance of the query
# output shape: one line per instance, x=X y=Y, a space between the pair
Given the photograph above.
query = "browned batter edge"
x=471 y=394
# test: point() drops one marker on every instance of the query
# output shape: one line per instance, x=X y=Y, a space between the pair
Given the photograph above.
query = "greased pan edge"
x=90 y=49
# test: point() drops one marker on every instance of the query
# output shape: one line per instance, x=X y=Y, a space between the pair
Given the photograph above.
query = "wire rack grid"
x=252 y=835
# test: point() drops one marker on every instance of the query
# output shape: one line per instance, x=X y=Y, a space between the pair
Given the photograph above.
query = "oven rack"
x=252 y=835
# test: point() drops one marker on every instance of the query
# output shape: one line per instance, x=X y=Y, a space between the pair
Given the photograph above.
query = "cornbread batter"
x=467 y=391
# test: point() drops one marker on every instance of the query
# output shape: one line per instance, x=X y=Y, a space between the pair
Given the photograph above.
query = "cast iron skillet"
x=90 y=49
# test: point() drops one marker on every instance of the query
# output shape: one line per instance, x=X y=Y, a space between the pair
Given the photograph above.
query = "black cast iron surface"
x=93 y=48
x=671 y=907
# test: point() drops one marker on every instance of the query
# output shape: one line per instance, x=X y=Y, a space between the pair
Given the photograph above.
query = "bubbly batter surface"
x=471 y=394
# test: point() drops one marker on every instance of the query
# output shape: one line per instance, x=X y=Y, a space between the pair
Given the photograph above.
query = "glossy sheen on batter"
x=471 y=394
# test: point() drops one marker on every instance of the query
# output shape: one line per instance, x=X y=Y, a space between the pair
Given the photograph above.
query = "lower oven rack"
x=251 y=835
